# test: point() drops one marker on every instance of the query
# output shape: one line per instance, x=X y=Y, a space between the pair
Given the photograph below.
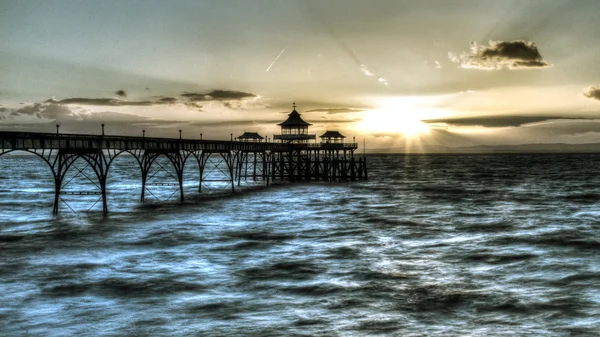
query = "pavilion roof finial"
x=294 y=105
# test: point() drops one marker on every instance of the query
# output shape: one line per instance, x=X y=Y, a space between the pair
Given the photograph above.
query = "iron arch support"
x=178 y=162
x=146 y=162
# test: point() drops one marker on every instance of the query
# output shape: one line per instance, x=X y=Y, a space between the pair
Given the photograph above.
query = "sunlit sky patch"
x=445 y=73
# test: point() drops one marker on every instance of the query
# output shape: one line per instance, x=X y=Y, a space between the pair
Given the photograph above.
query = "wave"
x=499 y=258
x=294 y=270
x=125 y=287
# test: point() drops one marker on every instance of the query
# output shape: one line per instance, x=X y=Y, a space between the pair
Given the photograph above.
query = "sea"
x=429 y=245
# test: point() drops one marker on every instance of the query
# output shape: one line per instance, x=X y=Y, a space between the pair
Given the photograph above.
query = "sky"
x=396 y=75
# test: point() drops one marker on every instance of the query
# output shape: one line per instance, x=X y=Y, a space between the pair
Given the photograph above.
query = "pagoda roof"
x=250 y=135
x=294 y=119
x=332 y=134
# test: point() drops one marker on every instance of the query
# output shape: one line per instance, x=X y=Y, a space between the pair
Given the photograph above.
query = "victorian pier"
x=294 y=155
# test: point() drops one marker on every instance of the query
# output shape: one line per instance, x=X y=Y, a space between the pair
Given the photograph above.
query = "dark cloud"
x=219 y=95
x=68 y=109
x=592 y=92
x=234 y=105
x=496 y=121
x=230 y=99
x=193 y=106
x=518 y=54
x=100 y=102
x=333 y=111
x=168 y=100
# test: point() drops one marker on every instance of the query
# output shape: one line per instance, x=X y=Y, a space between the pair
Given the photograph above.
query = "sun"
x=397 y=116
x=392 y=122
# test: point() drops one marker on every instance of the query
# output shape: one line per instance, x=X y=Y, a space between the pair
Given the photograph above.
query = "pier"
x=290 y=157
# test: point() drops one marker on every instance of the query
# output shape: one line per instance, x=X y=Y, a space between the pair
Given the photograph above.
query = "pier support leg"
x=178 y=161
x=265 y=166
x=57 y=185
x=143 y=193
x=146 y=162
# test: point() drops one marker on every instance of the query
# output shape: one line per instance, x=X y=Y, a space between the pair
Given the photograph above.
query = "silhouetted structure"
x=294 y=129
x=249 y=158
x=250 y=137
x=314 y=161
x=332 y=137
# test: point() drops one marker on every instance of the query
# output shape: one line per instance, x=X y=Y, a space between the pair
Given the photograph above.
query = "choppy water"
x=429 y=246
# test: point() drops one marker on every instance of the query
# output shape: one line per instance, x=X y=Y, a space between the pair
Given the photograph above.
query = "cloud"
x=168 y=100
x=368 y=72
x=592 y=92
x=186 y=98
x=234 y=105
x=193 y=106
x=517 y=54
x=44 y=113
x=55 y=111
x=48 y=111
x=28 y=110
x=229 y=98
x=219 y=95
x=74 y=108
x=496 y=121
x=100 y=102
x=365 y=70
x=333 y=111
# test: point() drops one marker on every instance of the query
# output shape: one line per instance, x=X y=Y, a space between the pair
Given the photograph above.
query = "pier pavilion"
x=290 y=157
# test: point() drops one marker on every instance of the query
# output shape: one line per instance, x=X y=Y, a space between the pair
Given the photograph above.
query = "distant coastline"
x=495 y=149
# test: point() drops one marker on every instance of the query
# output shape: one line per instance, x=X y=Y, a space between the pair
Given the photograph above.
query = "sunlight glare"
x=398 y=116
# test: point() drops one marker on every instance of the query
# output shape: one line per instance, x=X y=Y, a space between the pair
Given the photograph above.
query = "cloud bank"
x=228 y=98
x=219 y=95
x=496 y=121
x=49 y=111
x=100 y=102
x=517 y=54
x=77 y=108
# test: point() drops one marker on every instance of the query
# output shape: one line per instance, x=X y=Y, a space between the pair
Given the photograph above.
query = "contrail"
x=277 y=58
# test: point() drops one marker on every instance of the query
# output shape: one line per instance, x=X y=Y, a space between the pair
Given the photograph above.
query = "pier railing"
x=34 y=140
x=31 y=140
x=336 y=146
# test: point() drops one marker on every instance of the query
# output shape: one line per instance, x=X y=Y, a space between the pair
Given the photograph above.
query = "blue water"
x=430 y=245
